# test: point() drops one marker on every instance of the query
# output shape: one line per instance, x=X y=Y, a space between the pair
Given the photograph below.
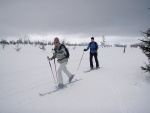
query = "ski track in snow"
x=119 y=87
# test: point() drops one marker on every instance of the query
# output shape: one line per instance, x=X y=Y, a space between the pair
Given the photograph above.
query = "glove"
x=49 y=59
x=84 y=50
x=53 y=51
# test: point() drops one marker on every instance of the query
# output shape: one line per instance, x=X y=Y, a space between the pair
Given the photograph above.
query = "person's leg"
x=96 y=60
x=60 y=79
x=66 y=70
x=91 y=60
x=70 y=76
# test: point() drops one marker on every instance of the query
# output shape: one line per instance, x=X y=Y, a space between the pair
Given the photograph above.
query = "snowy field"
x=120 y=86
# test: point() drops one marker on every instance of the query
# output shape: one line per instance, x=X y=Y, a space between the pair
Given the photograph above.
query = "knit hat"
x=56 y=39
x=92 y=38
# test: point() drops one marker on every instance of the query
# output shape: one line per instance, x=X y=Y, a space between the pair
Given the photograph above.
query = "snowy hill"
x=120 y=86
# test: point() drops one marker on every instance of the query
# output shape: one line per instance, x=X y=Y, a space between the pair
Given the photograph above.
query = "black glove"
x=53 y=51
x=49 y=58
x=84 y=50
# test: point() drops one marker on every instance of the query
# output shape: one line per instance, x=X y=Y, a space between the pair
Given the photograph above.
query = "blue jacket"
x=93 y=47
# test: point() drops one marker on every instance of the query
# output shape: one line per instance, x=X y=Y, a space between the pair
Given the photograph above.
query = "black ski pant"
x=91 y=59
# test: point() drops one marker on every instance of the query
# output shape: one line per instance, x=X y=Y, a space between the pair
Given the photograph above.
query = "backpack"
x=96 y=45
x=66 y=49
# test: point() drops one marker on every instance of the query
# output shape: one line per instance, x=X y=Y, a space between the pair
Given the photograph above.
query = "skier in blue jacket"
x=93 y=52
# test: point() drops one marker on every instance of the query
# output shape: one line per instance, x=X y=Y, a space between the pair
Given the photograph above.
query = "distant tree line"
x=43 y=42
x=25 y=42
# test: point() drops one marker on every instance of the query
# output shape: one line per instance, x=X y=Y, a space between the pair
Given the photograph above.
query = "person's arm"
x=87 y=47
x=61 y=51
x=54 y=55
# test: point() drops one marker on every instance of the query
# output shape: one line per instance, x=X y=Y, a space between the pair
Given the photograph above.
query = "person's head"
x=92 y=39
x=56 y=41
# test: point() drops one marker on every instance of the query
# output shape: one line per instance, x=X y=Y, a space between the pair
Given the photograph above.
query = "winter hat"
x=56 y=39
x=92 y=38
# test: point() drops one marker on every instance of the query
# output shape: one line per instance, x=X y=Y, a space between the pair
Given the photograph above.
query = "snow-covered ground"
x=120 y=86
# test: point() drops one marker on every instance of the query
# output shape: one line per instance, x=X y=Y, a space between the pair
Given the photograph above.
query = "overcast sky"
x=118 y=20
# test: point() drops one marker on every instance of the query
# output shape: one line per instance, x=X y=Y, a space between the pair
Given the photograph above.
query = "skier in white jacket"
x=60 y=54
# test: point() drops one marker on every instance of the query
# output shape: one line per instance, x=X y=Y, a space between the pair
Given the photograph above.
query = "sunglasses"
x=56 y=42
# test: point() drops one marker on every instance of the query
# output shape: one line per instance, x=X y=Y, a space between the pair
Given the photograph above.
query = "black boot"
x=97 y=67
x=91 y=68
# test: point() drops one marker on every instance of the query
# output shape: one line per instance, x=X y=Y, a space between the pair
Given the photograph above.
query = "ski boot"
x=70 y=78
x=60 y=86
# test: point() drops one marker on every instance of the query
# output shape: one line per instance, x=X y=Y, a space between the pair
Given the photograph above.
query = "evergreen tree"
x=145 y=47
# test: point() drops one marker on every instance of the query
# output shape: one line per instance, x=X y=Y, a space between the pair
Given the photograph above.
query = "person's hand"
x=49 y=59
x=84 y=50
x=53 y=51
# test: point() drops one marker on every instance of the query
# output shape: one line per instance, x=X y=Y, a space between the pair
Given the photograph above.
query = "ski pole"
x=51 y=70
x=81 y=60
x=55 y=70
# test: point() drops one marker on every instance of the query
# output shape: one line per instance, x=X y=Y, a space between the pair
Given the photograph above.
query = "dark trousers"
x=91 y=59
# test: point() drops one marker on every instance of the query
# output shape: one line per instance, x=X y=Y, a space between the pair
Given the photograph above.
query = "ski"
x=76 y=80
x=87 y=71
x=92 y=69
x=57 y=89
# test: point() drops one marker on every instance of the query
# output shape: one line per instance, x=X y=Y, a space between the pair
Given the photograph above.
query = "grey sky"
x=122 y=18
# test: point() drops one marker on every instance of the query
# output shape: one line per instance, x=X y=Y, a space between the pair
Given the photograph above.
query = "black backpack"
x=66 y=49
